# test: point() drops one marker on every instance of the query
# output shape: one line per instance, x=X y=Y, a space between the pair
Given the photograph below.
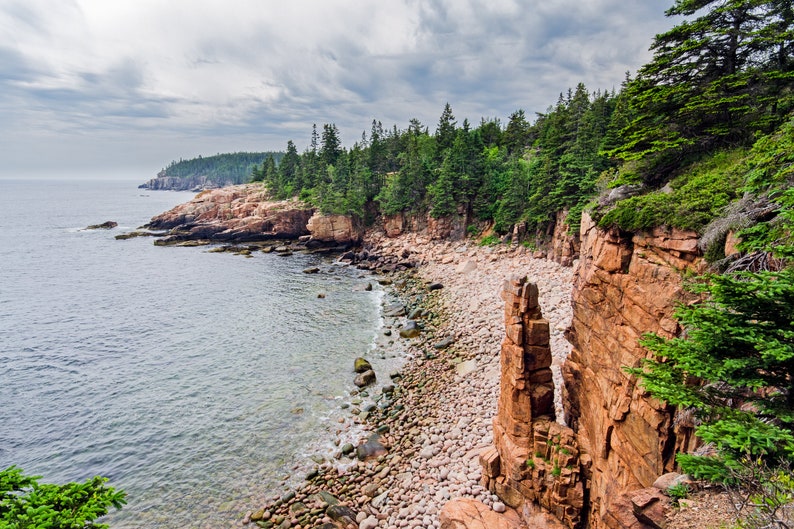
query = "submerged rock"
x=108 y=224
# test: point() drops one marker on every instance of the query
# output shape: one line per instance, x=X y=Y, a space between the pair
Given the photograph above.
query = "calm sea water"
x=195 y=381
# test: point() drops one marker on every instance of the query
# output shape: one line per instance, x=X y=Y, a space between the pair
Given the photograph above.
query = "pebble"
x=433 y=450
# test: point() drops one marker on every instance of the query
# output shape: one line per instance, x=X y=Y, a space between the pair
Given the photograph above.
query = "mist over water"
x=193 y=380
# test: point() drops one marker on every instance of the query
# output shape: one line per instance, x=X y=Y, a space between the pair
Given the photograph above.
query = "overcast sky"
x=126 y=86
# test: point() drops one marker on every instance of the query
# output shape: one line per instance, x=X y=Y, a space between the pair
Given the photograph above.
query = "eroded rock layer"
x=626 y=285
x=535 y=459
x=616 y=441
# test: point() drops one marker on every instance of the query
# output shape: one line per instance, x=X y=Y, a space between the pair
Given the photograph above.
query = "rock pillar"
x=534 y=459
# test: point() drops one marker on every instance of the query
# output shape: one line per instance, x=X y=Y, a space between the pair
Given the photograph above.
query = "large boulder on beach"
x=410 y=330
x=365 y=379
x=361 y=365
x=371 y=448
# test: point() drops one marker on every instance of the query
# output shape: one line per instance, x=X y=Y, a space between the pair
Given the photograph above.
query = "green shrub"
x=678 y=492
x=689 y=202
x=24 y=502
x=740 y=343
x=490 y=240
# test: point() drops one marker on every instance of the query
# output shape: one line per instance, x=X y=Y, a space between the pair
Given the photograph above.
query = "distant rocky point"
x=177 y=183
x=246 y=213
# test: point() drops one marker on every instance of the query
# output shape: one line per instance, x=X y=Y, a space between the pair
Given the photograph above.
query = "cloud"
x=147 y=81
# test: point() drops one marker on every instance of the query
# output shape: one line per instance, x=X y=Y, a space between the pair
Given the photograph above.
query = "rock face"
x=235 y=213
x=596 y=470
x=625 y=286
x=339 y=229
x=534 y=459
x=564 y=247
x=451 y=227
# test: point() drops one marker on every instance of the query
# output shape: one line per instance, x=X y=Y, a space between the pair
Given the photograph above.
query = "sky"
x=114 y=87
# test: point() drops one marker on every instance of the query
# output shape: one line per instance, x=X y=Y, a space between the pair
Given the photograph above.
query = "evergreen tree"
x=713 y=81
x=287 y=172
x=269 y=172
x=516 y=135
x=739 y=343
x=445 y=132
x=490 y=131
x=331 y=145
x=441 y=193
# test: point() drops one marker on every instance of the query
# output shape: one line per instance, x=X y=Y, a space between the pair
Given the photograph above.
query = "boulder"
x=467 y=266
x=472 y=514
x=109 y=224
x=365 y=379
x=341 y=514
x=650 y=507
x=394 y=311
x=671 y=479
x=371 y=448
x=446 y=342
x=416 y=314
x=360 y=365
x=410 y=330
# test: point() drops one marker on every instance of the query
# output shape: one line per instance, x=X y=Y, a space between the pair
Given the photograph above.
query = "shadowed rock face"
x=625 y=285
x=246 y=213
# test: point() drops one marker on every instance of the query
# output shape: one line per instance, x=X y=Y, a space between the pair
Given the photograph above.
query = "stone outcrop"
x=339 y=229
x=597 y=470
x=245 y=213
x=235 y=213
x=471 y=514
x=452 y=227
x=625 y=285
x=564 y=246
x=535 y=459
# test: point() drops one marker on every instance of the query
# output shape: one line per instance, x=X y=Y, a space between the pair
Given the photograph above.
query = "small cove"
x=194 y=381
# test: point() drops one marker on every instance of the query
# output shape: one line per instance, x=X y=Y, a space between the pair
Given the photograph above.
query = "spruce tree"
x=714 y=81
x=734 y=367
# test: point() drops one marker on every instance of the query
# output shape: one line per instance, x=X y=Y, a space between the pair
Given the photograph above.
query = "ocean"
x=200 y=383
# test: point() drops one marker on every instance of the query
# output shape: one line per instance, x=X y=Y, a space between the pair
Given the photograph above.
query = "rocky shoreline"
x=426 y=428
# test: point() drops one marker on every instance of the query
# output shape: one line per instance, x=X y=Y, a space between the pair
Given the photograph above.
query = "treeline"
x=235 y=168
x=489 y=172
x=716 y=83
